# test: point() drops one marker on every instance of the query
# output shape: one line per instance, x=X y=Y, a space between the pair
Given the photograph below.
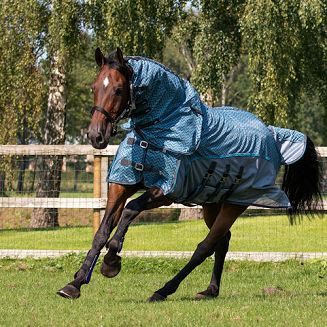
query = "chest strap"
x=140 y=166
x=144 y=145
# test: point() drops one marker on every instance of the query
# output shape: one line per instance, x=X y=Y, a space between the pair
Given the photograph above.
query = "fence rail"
x=100 y=167
x=57 y=150
x=73 y=149
x=98 y=200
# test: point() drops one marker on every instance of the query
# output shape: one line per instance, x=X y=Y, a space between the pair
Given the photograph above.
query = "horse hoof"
x=111 y=266
x=156 y=297
x=69 y=292
x=206 y=295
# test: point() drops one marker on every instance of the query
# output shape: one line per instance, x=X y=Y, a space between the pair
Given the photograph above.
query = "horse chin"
x=100 y=146
x=105 y=141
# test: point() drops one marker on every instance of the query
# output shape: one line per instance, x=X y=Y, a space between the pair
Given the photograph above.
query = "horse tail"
x=302 y=183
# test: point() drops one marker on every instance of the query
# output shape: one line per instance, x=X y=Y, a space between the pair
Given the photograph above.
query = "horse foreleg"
x=117 y=197
x=226 y=217
x=152 y=198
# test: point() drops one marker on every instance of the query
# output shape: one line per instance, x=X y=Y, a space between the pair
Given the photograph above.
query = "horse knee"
x=203 y=250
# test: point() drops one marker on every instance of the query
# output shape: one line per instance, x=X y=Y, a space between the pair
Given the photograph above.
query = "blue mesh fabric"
x=230 y=132
x=164 y=166
x=225 y=139
x=171 y=100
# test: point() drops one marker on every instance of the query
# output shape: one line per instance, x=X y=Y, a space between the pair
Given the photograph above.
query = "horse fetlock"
x=169 y=288
x=111 y=265
x=114 y=246
x=79 y=276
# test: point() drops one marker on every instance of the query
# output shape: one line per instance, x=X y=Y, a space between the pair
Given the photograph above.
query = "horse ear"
x=99 y=57
x=120 y=57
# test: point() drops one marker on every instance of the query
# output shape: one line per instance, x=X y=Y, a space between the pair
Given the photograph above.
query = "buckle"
x=144 y=144
x=139 y=166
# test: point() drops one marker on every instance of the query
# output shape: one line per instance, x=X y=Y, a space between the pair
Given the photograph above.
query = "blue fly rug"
x=197 y=154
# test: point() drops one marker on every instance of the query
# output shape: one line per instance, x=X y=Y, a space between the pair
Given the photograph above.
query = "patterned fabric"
x=169 y=99
x=197 y=154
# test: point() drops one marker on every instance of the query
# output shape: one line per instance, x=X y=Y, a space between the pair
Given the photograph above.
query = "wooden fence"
x=100 y=168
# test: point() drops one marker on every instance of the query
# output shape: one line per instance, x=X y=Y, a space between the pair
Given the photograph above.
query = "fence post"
x=96 y=191
x=104 y=184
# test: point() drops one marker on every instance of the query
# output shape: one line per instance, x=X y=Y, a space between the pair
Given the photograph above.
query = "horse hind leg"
x=221 y=250
x=219 y=229
x=210 y=213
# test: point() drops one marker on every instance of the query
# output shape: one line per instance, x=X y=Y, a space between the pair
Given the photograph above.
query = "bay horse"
x=171 y=132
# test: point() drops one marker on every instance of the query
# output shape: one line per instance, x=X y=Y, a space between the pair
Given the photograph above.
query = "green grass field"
x=263 y=233
x=261 y=294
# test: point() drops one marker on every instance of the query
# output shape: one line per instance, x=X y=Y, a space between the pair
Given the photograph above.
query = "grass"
x=264 y=233
x=298 y=298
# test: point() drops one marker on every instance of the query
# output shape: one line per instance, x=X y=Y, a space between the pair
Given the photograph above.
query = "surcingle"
x=197 y=154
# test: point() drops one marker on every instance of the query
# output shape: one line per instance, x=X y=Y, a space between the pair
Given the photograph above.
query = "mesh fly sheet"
x=197 y=154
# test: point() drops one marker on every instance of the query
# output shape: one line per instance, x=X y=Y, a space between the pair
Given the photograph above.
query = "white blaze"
x=106 y=82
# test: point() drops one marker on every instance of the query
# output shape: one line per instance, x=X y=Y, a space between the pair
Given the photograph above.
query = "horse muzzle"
x=100 y=140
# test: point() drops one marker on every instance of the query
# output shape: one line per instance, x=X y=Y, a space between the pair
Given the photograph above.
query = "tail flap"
x=291 y=144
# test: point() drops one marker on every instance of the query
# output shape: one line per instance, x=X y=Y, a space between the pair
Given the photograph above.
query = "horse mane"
x=113 y=63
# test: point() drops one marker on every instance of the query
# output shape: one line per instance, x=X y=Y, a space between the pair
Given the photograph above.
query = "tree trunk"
x=2 y=183
x=77 y=170
x=24 y=163
x=22 y=167
x=31 y=188
x=190 y=214
x=50 y=166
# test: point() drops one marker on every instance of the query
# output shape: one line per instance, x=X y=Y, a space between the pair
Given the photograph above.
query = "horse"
x=180 y=150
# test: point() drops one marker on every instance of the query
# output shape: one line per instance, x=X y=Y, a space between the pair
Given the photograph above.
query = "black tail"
x=302 y=182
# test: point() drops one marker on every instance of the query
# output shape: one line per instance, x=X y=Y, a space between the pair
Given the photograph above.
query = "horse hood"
x=167 y=105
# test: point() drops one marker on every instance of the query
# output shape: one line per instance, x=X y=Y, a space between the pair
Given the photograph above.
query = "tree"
x=62 y=42
x=139 y=27
x=286 y=46
x=21 y=83
x=79 y=100
x=217 y=48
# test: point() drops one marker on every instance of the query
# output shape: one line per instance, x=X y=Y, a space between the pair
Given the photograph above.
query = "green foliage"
x=21 y=83
x=79 y=98
x=216 y=46
x=184 y=35
x=64 y=26
x=285 y=46
x=267 y=56
x=139 y=27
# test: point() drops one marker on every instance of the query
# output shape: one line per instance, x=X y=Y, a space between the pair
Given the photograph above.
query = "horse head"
x=111 y=91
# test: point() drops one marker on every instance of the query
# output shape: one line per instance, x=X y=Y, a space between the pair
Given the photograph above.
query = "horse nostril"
x=99 y=139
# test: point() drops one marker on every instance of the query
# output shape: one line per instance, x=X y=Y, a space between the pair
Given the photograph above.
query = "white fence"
x=99 y=200
x=100 y=171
